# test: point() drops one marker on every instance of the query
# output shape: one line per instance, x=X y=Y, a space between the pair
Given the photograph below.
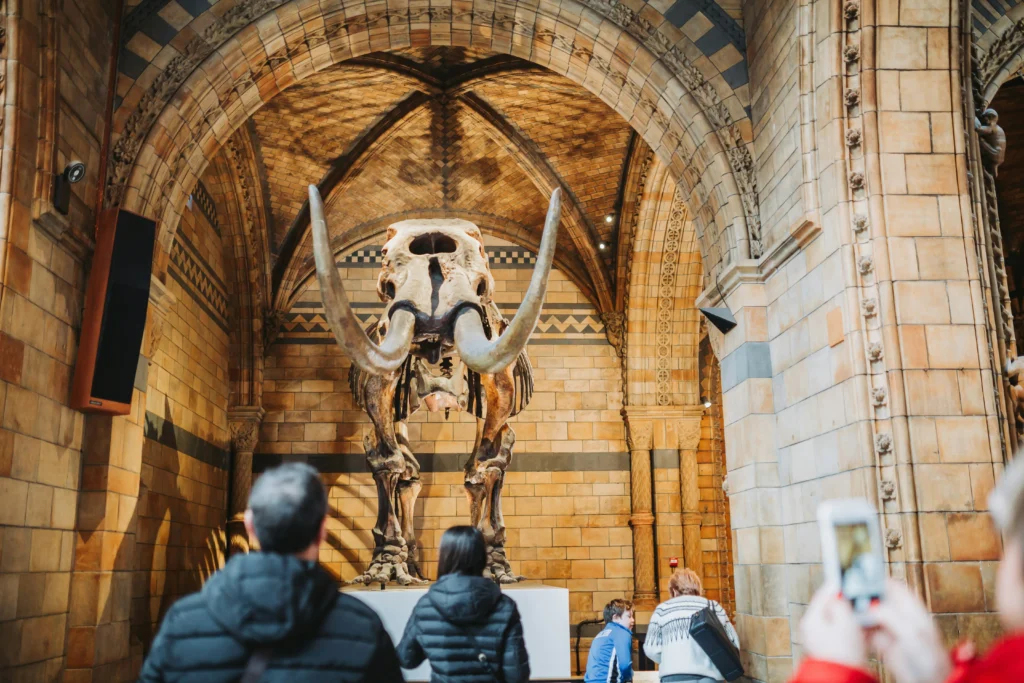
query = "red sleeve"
x=817 y=671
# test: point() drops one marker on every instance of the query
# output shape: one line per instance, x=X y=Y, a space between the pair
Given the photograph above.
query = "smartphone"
x=851 y=549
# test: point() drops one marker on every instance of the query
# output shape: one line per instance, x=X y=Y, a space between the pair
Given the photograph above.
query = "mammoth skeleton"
x=441 y=344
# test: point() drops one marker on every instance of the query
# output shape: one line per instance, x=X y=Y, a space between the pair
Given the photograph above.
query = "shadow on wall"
x=339 y=524
x=175 y=555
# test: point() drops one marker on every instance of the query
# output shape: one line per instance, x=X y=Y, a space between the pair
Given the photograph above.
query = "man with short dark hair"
x=275 y=615
x=611 y=653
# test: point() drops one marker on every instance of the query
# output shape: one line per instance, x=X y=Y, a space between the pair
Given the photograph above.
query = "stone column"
x=244 y=422
x=645 y=590
x=688 y=432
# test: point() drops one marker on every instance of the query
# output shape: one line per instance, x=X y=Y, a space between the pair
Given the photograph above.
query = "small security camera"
x=74 y=172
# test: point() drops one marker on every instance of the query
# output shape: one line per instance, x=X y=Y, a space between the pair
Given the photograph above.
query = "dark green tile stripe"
x=168 y=434
x=349 y=463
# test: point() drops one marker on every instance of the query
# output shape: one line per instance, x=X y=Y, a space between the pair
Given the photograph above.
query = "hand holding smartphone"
x=851 y=548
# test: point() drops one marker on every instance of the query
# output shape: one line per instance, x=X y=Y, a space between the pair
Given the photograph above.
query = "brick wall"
x=40 y=311
x=184 y=478
x=772 y=52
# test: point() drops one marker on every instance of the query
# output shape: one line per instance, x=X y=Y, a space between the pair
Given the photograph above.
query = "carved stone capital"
x=272 y=321
x=244 y=422
x=688 y=432
x=615 y=329
x=640 y=435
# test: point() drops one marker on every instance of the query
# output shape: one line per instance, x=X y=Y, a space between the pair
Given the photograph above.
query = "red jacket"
x=1003 y=663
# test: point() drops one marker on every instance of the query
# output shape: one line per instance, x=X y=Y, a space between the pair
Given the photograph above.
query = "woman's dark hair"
x=463 y=551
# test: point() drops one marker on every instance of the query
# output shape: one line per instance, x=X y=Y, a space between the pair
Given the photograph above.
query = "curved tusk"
x=377 y=360
x=488 y=357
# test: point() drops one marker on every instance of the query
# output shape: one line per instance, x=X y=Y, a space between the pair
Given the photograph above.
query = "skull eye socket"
x=433 y=243
x=481 y=287
x=389 y=289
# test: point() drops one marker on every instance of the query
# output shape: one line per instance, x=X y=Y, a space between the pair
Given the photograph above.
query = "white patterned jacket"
x=668 y=640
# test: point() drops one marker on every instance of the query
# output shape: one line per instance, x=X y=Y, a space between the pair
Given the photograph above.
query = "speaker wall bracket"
x=61 y=230
x=721 y=317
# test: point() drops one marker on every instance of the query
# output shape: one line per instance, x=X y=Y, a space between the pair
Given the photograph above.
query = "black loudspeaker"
x=116 y=301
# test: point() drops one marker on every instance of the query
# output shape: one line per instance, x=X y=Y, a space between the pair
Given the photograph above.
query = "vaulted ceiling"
x=443 y=132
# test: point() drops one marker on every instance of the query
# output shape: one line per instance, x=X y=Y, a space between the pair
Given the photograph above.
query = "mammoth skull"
x=438 y=290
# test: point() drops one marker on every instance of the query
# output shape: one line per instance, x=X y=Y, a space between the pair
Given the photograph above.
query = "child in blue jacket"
x=611 y=653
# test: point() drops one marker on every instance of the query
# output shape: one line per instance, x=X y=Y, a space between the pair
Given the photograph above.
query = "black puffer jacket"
x=263 y=599
x=461 y=622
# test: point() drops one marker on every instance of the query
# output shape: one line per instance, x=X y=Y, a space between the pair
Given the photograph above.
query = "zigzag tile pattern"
x=195 y=275
x=560 y=323
x=505 y=257
x=203 y=200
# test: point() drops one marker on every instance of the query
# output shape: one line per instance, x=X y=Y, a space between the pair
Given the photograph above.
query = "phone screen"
x=861 y=570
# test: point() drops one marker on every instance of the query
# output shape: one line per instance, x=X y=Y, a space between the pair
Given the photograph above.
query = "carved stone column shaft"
x=645 y=591
x=244 y=422
x=689 y=439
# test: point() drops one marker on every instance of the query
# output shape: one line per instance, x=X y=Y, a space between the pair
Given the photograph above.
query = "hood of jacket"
x=266 y=597
x=464 y=599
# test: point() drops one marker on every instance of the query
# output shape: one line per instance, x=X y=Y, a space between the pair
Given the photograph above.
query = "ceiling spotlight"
x=609 y=218
x=707 y=403
x=602 y=246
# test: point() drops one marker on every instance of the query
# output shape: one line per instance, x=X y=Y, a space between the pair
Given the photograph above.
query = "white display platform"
x=544 y=611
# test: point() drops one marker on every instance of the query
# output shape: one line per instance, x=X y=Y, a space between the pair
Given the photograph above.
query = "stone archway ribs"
x=336 y=175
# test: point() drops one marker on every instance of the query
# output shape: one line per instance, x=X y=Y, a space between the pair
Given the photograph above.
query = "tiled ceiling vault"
x=445 y=131
x=442 y=132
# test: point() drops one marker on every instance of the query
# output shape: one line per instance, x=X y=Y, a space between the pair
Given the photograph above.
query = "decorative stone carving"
x=851 y=97
x=615 y=330
x=853 y=137
x=243 y=424
x=878 y=396
x=851 y=10
x=887 y=489
x=991 y=140
x=874 y=352
x=637 y=25
x=244 y=435
x=253 y=230
x=167 y=82
x=851 y=53
x=998 y=54
x=664 y=339
x=639 y=435
x=688 y=433
x=869 y=308
x=1014 y=375
x=634 y=222
x=865 y=264
x=893 y=538
x=856 y=180
x=860 y=223
x=883 y=443
x=272 y=322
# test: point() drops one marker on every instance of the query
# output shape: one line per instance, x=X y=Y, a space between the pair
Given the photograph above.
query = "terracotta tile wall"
x=42 y=295
x=184 y=478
